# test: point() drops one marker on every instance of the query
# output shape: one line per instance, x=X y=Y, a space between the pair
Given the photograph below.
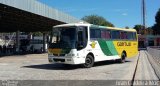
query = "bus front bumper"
x=66 y=60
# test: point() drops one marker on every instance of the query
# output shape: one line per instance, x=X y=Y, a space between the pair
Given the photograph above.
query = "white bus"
x=34 y=45
x=86 y=43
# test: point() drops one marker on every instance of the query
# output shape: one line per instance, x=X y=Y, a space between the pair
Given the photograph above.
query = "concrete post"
x=18 y=41
x=44 y=42
x=155 y=41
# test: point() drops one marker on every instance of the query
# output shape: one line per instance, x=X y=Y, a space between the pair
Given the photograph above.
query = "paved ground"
x=36 y=67
x=145 y=70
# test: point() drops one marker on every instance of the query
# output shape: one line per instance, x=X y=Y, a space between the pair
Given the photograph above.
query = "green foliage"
x=156 y=27
x=144 y=31
x=37 y=33
x=127 y=27
x=138 y=28
x=150 y=31
x=97 y=20
x=158 y=17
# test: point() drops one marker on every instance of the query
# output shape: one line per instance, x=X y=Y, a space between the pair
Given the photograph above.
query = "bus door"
x=82 y=38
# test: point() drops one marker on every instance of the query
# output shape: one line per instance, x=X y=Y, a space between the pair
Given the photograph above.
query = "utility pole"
x=144 y=13
x=143 y=17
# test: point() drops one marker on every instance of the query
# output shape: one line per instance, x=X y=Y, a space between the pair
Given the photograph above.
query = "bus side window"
x=130 y=35
x=134 y=36
x=123 y=35
x=108 y=34
x=98 y=33
x=103 y=34
x=115 y=34
x=95 y=33
x=92 y=33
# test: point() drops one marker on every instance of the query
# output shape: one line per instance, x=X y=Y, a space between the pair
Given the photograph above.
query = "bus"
x=86 y=44
x=34 y=45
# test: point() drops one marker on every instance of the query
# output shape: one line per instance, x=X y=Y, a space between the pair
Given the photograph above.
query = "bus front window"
x=63 y=38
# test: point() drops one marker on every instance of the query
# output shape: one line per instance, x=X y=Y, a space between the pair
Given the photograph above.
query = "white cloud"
x=79 y=10
x=124 y=14
x=120 y=10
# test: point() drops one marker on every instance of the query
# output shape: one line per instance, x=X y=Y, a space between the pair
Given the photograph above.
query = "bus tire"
x=89 y=61
x=123 y=58
x=66 y=65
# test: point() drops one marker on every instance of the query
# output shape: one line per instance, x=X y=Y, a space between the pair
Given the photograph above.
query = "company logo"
x=93 y=44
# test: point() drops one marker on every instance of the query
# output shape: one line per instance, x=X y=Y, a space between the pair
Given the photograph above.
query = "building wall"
x=148 y=40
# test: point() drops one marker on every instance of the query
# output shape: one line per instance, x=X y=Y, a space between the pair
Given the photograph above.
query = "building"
x=148 y=40
x=29 y=16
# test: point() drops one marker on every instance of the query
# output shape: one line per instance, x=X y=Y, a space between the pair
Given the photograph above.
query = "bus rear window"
x=134 y=36
x=131 y=36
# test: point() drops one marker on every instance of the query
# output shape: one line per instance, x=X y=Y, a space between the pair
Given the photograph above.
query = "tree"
x=149 y=31
x=156 y=27
x=37 y=33
x=158 y=17
x=127 y=27
x=138 y=28
x=97 y=20
x=41 y=33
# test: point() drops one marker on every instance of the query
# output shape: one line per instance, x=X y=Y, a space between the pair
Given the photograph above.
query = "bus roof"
x=96 y=26
x=72 y=24
x=114 y=28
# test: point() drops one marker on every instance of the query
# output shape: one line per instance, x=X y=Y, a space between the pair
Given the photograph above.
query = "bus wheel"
x=66 y=65
x=123 y=58
x=89 y=61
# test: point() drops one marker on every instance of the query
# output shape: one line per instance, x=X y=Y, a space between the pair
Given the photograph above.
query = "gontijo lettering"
x=123 y=43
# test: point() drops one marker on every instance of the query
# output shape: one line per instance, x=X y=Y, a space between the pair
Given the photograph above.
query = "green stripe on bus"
x=107 y=47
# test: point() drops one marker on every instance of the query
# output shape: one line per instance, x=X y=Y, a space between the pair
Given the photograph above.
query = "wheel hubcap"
x=88 y=61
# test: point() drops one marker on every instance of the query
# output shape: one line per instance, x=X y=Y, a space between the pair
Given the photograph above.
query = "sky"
x=121 y=13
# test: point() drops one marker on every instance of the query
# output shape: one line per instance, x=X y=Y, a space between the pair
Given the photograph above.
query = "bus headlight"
x=49 y=59
x=50 y=54
x=69 y=60
x=71 y=55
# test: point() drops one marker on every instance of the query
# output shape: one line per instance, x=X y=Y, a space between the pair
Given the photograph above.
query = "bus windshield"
x=63 y=37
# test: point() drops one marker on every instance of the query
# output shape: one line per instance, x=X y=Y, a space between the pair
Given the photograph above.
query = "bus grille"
x=59 y=54
x=61 y=60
